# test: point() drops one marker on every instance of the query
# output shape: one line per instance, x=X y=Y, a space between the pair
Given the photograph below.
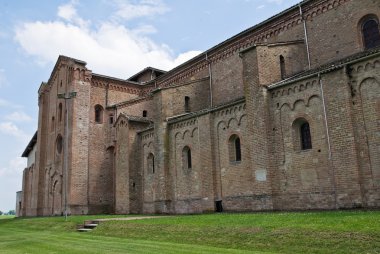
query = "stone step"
x=84 y=229
x=91 y=222
x=90 y=225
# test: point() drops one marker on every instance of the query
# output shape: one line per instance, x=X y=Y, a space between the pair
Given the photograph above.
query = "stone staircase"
x=87 y=226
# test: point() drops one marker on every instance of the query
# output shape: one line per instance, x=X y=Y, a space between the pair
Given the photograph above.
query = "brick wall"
x=137 y=108
x=341 y=105
x=305 y=176
x=364 y=85
x=334 y=30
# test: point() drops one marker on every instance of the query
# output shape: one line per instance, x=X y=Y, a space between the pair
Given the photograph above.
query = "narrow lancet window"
x=151 y=163
x=60 y=112
x=237 y=149
x=282 y=67
x=371 y=33
x=305 y=136
x=187 y=104
x=186 y=158
x=234 y=148
x=98 y=114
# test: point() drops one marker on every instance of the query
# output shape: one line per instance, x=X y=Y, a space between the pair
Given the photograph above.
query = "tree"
x=11 y=212
x=1 y=213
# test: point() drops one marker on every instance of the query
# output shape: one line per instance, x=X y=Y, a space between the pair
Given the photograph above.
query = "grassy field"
x=6 y=217
x=309 y=232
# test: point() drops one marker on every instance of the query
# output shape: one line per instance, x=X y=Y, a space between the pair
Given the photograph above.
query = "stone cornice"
x=147 y=134
x=116 y=84
x=347 y=61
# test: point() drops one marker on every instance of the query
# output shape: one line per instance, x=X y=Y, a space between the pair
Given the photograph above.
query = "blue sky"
x=115 y=37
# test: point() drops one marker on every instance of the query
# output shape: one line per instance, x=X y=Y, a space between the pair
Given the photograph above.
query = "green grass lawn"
x=306 y=232
x=6 y=217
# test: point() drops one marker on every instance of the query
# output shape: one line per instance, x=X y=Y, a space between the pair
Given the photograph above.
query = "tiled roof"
x=30 y=146
x=186 y=116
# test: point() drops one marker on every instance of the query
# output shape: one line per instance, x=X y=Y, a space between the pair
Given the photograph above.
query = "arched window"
x=98 y=114
x=145 y=113
x=59 y=144
x=305 y=136
x=111 y=118
x=282 y=67
x=151 y=168
x=234 y=148
x=370 y=32
x=52 y=124
x=237 y=149
x=186 y=158
x=302 y=134
x=60 y=112
x=187 y=104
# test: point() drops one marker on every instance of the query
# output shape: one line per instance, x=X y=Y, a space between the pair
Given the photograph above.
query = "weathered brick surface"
x=334 y=31
x=303 y=172
x=234 y=90
x=122 y=204
x=137 y=108
x=364 y=84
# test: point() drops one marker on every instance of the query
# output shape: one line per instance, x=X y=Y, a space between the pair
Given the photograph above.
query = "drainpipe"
x=328 y=136
x=306 y=37
x=210 y=75
x=325 y=114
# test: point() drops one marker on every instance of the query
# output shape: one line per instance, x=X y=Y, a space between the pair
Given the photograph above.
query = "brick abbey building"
x=283 y=116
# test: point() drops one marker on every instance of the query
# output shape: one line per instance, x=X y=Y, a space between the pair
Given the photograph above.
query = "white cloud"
x=185 y=56
x=145 y=29
x=14 y=167
x=8 y=104
x=3 y=78
x=10 y=181
x=110 y=49
x=3 y=35
x=137 y=9
x=69 y=14
x=4 y=103
x=10 y=129
x=261 y=4
x=18 y=116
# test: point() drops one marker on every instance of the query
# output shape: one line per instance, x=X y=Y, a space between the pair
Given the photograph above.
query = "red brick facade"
x=301 y=94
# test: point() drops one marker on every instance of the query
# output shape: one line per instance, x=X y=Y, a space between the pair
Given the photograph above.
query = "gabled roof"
x=60 y=59
x=65 y=58
x=138 y=119
x=113 y=78
x=131 y=118
x=147 y=69
x=186 y=116
x=30 y=146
